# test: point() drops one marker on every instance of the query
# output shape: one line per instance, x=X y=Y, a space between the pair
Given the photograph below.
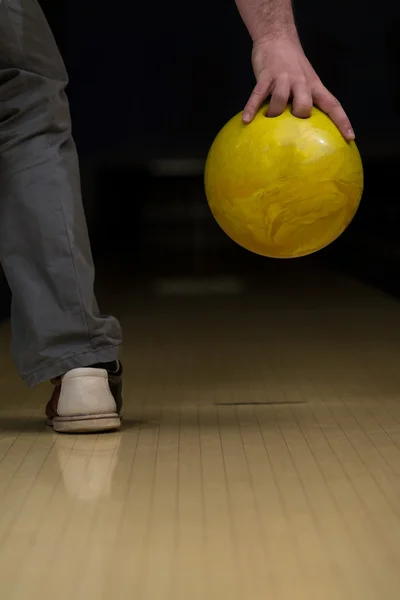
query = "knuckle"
x=334 y=102
x=279 y=97
x=283 y=77
x=300 y=80
x=258 y=91
x=331 y=101
x=261 y=88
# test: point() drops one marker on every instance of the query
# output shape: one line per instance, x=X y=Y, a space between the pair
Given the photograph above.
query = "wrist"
x=273 y=33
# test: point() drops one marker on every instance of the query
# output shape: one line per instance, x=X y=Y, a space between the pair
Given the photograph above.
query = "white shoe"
x=86 y=400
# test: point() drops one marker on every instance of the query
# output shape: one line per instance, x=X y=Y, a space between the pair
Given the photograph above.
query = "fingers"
x=281 y=92
x=260 y=93
x=280 y=96
x=304 y=96
x=302 y=100
x=332 y=107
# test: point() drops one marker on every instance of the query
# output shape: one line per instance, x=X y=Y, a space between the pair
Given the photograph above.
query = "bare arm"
x=282 y=70
x=267 y=18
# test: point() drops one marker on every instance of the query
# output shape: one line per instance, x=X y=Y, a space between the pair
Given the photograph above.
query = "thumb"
x=258 y=96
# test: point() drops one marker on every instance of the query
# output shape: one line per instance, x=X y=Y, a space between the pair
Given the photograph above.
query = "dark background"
x=155 y=81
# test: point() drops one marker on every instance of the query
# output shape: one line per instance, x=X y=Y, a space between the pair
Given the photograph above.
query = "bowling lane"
x=260 y=455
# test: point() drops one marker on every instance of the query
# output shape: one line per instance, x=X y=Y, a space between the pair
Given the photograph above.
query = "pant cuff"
x=75 y=361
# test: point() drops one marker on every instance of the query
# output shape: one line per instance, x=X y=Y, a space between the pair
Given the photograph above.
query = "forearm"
x=267 y=18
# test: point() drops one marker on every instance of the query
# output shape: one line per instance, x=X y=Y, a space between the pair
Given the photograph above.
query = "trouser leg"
x=44 y=244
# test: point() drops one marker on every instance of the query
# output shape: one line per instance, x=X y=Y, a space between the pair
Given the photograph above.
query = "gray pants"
x=44 y=244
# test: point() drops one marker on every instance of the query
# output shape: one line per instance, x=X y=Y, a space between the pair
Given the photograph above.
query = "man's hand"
x=283 y=72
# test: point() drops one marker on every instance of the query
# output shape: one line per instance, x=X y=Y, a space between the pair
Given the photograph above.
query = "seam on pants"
x=17 y=37
x=67 y=357
x=75 y=271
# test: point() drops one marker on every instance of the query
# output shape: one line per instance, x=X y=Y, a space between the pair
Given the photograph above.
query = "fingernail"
x=350 y=134
x=246 y=117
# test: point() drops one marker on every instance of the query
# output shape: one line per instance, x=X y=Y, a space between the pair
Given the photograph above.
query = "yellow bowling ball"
x=283 y=187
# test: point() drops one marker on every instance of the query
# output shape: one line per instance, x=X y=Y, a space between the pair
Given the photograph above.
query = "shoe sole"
x=89 y=424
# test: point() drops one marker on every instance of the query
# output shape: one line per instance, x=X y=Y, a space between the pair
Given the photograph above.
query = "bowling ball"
x=283 y=187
